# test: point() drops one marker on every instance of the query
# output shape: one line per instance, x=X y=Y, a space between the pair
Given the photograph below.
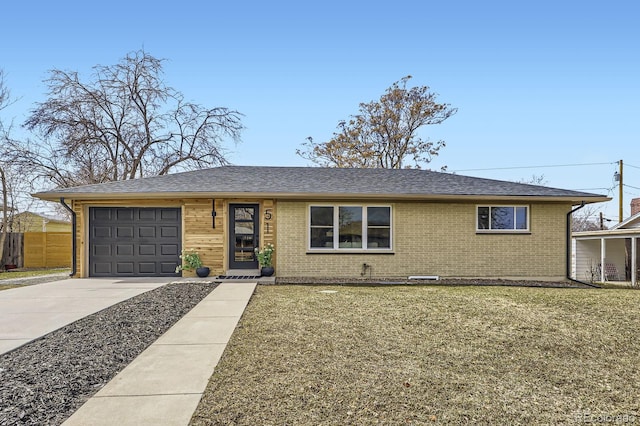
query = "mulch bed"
x=47 y=380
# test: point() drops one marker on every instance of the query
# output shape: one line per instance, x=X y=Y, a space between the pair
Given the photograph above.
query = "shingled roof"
x=316 y=182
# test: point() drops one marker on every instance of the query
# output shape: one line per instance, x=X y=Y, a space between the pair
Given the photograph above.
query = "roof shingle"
x=315 y=181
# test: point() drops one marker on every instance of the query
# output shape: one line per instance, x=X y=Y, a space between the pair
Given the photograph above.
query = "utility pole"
x=620 y=193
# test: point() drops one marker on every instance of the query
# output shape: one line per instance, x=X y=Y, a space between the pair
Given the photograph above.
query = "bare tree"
x=535 y=180
x=4 y=102
x=385 y=132
x=4 y=92
x=584 y=219
x=122 y=124
x=5 y=212
x=587 y=219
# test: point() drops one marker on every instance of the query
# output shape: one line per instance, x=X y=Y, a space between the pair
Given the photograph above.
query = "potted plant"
x=265 y=259
x=191 y=262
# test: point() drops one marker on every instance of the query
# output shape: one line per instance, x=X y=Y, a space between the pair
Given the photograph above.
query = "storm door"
x=243 y=236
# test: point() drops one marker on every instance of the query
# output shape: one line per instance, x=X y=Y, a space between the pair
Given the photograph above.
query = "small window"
x=503 y=218
x=350 y=227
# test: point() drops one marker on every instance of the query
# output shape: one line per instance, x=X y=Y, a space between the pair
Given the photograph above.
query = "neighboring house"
x=616 y=248
x=9 y=213
x=324 y=222
x=37 y=222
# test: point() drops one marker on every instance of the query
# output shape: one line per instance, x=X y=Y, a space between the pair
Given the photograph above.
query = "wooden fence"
x=38 y=250
x=47 y=249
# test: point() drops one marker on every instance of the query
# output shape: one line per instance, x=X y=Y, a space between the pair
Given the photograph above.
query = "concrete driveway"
x=29 y=312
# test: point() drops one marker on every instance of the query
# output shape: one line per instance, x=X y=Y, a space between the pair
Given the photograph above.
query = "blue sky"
x=539 y=83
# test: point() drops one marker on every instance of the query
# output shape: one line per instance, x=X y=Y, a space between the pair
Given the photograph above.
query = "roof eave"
x=606 y=233
x=56 y=196
x=627 y=221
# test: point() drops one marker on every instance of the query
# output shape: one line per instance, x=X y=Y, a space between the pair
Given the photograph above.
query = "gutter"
x=73 y=237
x=568 y=255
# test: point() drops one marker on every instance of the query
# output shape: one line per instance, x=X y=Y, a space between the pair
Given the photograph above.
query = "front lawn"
x=8 y=286
x=429 y=354
x=6 y=277
x=28 y=273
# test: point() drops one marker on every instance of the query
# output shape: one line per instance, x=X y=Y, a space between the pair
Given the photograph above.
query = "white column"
x=634 y=266
x=603 y=253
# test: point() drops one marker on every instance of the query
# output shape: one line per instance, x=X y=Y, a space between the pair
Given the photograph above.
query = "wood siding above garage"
x=208 y=234
x=205 y=233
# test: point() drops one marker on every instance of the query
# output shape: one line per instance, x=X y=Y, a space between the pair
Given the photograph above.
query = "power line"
x=535 y=167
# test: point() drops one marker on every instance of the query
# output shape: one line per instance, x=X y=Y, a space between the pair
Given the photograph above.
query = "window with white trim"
x=502 y=218
x=349 y=227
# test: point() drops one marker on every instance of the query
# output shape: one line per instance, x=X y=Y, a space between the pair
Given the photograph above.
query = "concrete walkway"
x=163 y=385
x=27 y=313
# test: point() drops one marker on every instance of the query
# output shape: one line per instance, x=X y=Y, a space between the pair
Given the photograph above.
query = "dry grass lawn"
x=8 y=286
x=28 y=273
x=429 y=355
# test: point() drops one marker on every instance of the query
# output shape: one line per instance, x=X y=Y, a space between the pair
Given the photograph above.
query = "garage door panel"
x=124 y=268
x=102 y=214
x=101 y=232
x=124 y=231
x=101 y=250
x=147 y=214
x=124 y=250
x=147 y=232
x=101 y=268
x=147 y=249
x=169 y=231
x=168 y=268
x=125 y=214
x=146 y=267
x=169 y=250
x=134 y=241
x=170 y=215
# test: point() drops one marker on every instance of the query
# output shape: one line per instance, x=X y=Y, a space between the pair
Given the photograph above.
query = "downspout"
x=569 y=249
x=73 y=237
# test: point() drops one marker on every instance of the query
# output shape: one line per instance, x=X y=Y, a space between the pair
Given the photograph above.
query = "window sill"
x=497 y=232
x=350 y=251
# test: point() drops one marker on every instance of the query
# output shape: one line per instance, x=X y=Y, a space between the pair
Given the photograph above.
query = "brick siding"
x=434 y=239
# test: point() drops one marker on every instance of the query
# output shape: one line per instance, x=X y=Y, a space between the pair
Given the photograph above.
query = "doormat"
x=238 y=277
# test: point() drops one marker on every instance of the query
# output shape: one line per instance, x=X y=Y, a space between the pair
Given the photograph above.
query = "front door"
x=243 y=236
